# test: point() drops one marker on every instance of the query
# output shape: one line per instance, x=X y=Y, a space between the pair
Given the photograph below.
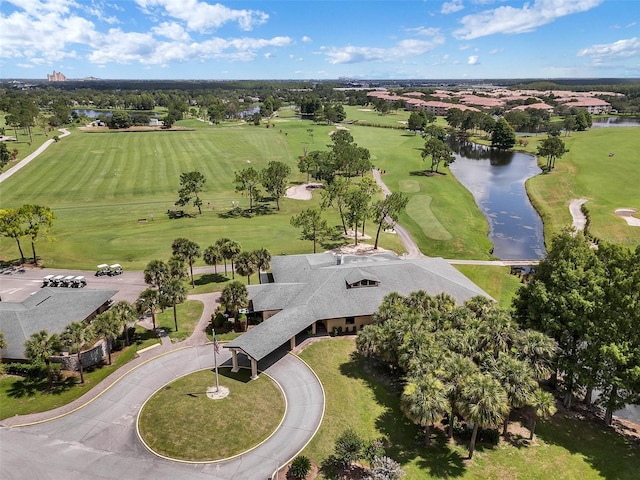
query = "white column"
x=313 y=328
x=234 y=360
x=292 y=342
x=254 y=369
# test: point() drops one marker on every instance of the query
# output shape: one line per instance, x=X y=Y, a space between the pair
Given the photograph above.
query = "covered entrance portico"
x=234 y=362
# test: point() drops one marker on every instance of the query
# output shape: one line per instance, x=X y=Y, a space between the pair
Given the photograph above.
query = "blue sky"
x=319 y=39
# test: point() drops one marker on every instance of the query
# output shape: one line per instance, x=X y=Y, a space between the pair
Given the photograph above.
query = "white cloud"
x=464 y=47
x=401 y=50
x=306 y=39
x=473 y=60
x=172 y=31
x=495 y=51
x=269 y=55
x=202 y=16
x=451 y=7
x=25 y=65
x=424 y=31
x=507 y=19
x=629 y=47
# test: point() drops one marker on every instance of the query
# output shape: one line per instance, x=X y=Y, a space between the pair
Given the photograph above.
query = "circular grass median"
x=179 y=421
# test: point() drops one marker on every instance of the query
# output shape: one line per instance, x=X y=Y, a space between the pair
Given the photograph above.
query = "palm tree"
x=212 y=256
x=177 y=268
x=484 y=403
x=126 y=315
x=108 y=326
x=516 y=377
x=544 y=406
x=156 y=273
x=230 y=250
x=457 y=372
x=263 y=260
x=246 y=265
x=188 y=251
x=220 y=243
x=424 y=401
x=234 y=296
x=75 y=335
x=174 y=292
x=149 y=301
x=41 y=347
x=539 y=350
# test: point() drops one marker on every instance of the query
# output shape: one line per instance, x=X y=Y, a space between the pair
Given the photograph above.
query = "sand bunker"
x=302 y=192
x=627 y=215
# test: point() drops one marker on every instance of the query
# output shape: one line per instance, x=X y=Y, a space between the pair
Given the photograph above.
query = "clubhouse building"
x=328 y=292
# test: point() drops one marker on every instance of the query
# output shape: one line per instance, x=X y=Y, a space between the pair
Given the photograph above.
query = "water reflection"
x=496 y=180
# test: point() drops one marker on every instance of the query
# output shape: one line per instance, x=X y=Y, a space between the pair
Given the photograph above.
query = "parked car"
x=115 y=269
x=103 y=269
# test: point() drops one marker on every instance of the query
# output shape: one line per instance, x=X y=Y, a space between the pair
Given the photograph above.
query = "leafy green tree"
x=416 y=122
x=234 y=296
x=11 y=226
x=120 y=119
x=149 y=301
x=503 y=137
x=156 y=273
x=454 y=117
x=173 y=292
x=40 y=347
x=76 y=335
x=107 y=326
x=191 y=184
x=177 y=268
x=212 y=255
x=247 y=180
x=562 y=301
x=483 y=403
x=458 y=370
x=246 y=265
x=188 y=251
x=5 y=156
x=424 y=402
x=385 y=212
x=313 y=226
x=434 y=131
x=38 y=221
x=306 y=163
x=357 y=208
x=274 y=180
x=438 y=151
x=551 y=148
x=335 y=195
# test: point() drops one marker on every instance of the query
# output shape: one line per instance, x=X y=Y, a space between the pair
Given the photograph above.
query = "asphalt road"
x=100 y=441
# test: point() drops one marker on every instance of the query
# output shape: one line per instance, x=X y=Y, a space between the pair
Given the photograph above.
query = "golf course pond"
x=181 y=422
x=496 y=179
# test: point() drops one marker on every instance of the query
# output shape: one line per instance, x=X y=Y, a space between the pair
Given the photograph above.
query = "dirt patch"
x=628 y=214
x=360 y=249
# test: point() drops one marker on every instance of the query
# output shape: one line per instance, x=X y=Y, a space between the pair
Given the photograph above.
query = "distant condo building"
x=56 y=77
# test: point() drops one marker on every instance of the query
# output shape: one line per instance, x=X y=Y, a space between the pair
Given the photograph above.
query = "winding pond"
x=496 y=181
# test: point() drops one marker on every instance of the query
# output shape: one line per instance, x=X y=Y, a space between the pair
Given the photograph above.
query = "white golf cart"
x=115 y=269
x=79 y=282
x=103 y=269
x=55 y=281
x=46 y=280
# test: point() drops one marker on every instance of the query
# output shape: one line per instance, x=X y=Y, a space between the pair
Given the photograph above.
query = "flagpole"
x=215 y=358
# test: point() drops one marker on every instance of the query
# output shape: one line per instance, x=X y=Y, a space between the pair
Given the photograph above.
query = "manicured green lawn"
x=21 y=396
x=567 y=447
x=181 y=422
x=188 y=315
x=587 y=171
x=496 y=281
x=100 y=185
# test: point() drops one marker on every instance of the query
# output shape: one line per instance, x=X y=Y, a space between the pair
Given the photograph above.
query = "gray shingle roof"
x=314 y=287
x=50 y=309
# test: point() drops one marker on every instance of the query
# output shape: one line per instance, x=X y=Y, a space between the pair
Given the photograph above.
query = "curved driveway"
x=100 y=441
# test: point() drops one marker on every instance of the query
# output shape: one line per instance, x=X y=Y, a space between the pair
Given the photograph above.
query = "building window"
x=350 y=321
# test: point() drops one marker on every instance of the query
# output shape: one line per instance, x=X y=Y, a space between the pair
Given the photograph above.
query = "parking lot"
x=17 y=286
